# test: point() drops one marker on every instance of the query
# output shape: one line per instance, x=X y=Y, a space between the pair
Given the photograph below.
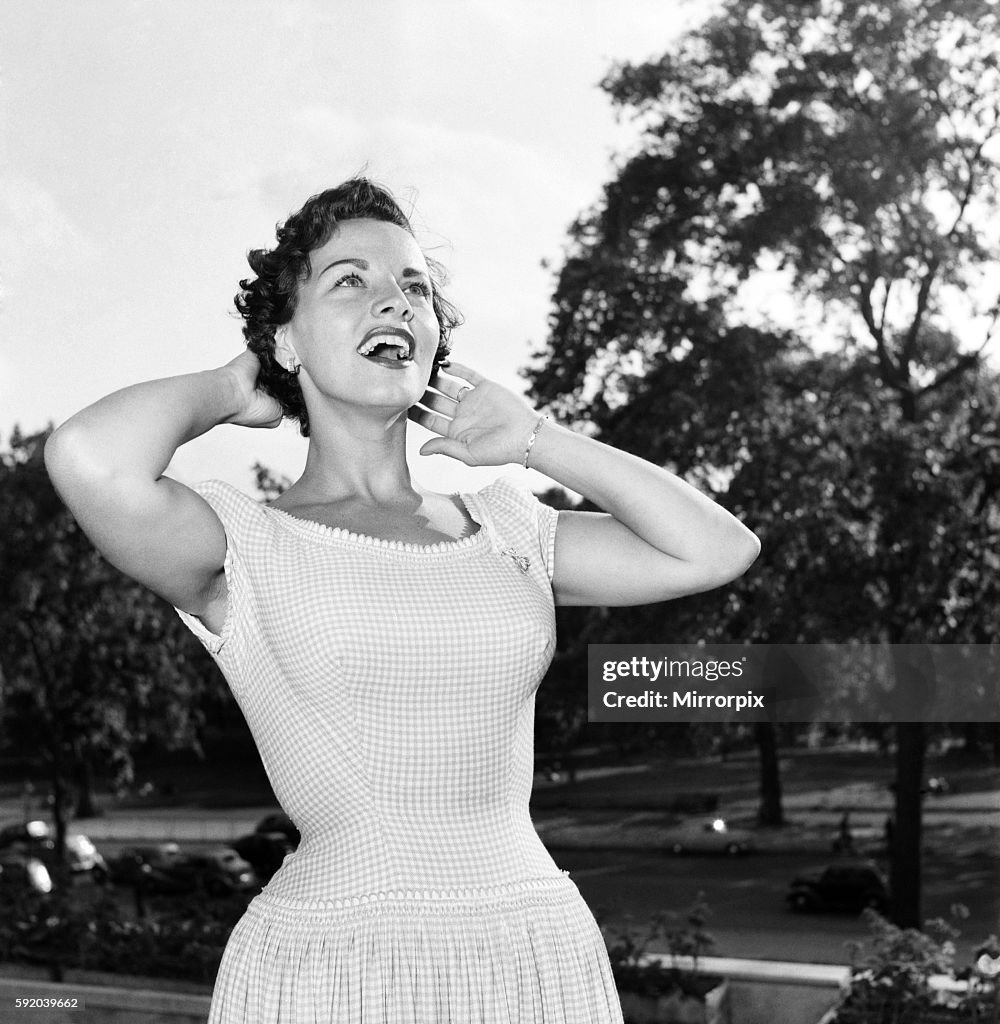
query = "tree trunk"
x=904 y=855
x=769 y=811
x=86 y=798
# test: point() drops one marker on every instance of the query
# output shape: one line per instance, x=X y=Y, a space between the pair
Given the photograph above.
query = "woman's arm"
x=107 y=464
x=659 y=537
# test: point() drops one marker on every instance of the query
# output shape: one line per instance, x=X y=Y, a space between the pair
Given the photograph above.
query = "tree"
x=91 y=664
x=844 y=154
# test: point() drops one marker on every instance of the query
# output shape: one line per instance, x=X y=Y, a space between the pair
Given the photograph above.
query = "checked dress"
x=390 y=690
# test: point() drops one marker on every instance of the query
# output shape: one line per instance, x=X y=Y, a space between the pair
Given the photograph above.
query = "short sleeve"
x=548 y=519
x=522 y=521
x=240 y=516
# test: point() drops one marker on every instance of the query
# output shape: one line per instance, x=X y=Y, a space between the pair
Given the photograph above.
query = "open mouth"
x=391 y=347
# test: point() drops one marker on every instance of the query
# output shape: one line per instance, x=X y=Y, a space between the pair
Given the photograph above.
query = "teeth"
x=401 y=344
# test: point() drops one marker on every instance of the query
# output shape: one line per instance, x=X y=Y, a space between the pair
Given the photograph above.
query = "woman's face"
x=364 y=327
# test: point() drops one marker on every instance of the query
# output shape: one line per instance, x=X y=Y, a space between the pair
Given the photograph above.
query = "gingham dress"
x=390 y=690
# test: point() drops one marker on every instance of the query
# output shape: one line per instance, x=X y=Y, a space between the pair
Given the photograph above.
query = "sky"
x=145 y=147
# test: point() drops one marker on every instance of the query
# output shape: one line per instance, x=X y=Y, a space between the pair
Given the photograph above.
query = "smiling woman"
x=384 y=641
x=269 y=300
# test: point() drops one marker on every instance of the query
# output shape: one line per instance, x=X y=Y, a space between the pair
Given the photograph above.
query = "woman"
x=384 y=641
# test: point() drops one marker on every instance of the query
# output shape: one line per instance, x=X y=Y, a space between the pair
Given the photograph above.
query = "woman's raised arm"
x=659 y=537
x=107 y=464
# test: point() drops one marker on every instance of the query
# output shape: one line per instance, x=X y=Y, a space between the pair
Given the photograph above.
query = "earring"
x=291 y=364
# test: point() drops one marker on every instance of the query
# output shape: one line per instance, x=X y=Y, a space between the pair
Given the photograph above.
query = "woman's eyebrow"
x=356 y=261
x=363 y=264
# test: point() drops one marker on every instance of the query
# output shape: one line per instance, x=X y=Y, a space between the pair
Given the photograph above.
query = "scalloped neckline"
x=311 y=526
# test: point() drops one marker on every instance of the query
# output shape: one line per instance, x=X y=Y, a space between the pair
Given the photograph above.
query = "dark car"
x=850 y=886
x=219 y=872
x=36 y=839
x=280 y=822
x=165 y=869
x=151 y=866
x=264 y=851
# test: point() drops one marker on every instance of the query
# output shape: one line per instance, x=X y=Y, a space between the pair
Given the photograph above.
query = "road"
x=746 y=895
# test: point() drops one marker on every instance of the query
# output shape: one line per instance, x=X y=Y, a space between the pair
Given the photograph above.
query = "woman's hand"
x=254 y=408
x=479 y=422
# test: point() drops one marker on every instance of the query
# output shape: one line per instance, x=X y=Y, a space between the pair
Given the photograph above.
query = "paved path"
x=813 y=817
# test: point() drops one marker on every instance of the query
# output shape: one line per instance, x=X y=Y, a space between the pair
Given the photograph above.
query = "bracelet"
x=531 y=440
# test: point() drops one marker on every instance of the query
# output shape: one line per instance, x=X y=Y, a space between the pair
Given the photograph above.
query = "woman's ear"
x=284 y=351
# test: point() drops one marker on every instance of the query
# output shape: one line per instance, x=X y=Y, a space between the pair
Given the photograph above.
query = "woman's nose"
x=392 y=301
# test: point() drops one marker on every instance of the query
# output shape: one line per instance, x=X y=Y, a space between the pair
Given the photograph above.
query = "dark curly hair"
x=268 y=300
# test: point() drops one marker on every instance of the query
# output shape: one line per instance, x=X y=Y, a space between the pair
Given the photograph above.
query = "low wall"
x=100 y=999
x=772 y=991
x=761 y=992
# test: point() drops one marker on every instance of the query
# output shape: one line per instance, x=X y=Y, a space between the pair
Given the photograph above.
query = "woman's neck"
x=361 y=458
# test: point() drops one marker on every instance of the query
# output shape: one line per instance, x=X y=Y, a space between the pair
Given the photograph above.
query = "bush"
x=633 y=969
x=892 y=983
x=179 y=939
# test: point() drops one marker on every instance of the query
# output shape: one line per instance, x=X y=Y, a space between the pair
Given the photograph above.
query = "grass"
x=231 y=775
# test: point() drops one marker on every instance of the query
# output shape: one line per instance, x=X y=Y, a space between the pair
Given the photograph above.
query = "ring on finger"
x=461 y=392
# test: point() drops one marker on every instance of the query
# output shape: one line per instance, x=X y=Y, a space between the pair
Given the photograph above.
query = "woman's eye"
x=348 y=280
x=421 y=287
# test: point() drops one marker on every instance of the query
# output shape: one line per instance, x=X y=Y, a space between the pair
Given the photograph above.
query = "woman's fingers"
x=433 y=421
x=441 y=445
x=457 y=380
x=466 y=372
x=439 y=403
x=449 y=387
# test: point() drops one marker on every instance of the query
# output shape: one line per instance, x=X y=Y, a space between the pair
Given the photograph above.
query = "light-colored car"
x=36 y=838
x=18 y=868
x=713 y=835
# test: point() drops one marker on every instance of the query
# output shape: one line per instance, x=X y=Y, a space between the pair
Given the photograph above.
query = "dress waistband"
x=472 y=900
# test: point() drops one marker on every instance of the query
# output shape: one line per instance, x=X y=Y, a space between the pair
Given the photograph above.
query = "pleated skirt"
x=523 y=953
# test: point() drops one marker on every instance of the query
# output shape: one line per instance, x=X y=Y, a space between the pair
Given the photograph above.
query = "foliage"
x=92 y=664
x=799 y=137
x=841 y=147
x=268 y=483
x=182 y=940
x=635 y=971
x=784 y=295
x=892 y=983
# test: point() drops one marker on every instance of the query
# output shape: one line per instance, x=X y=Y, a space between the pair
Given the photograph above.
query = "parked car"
x=280 y=822
x=22 y=832
x=219 y=871
x=166 y=869
x=35 y=838
x=151 y=866
x=711 y=836
x=847 y=886
x=264 y=851
x=20 y=869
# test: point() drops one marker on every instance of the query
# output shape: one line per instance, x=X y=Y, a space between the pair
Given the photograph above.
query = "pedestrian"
x=845 y=838
x=385 y=641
